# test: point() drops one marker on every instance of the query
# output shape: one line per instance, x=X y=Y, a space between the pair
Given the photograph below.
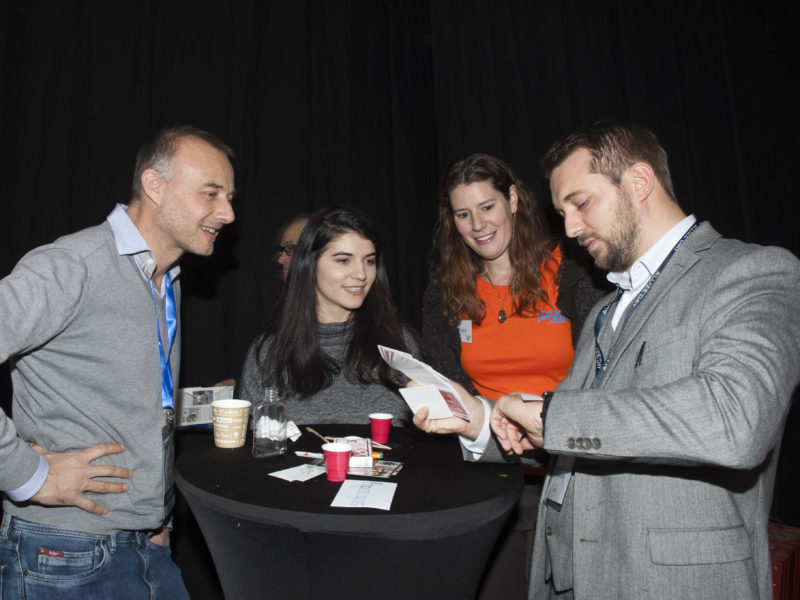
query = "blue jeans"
x=40 y=562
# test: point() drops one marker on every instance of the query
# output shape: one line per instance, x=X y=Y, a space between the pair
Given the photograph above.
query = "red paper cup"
x=381 y=424
x=337 y=457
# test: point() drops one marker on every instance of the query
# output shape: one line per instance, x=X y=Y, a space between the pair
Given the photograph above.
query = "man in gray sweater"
x=91 y=330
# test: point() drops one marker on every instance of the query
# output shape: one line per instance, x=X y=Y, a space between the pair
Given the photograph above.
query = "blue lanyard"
x=601 y=362
x=172 y=326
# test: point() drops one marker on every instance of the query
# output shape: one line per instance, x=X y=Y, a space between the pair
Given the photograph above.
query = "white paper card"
x=355 y=493
x=427 y=395
x=300 y=472
x=426 y=376
x=465 y=331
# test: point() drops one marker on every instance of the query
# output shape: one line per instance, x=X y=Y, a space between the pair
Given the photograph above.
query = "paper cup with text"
x=230 y=422
x=381 y=424
x=337 y=458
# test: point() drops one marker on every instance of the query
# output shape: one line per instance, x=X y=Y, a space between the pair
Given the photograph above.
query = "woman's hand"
x=469 y=429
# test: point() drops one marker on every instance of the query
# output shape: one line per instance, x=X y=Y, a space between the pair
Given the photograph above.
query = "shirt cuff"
x=478 y=446
x=28 y=489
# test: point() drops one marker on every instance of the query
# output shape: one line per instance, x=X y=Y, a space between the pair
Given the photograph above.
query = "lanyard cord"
x=172 y=326
x=601 y=362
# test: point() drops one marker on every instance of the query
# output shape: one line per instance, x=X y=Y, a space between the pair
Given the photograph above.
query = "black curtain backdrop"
x=365 y=103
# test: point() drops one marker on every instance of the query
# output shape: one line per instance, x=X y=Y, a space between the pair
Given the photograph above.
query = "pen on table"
x=639 y=356
x=309 y=454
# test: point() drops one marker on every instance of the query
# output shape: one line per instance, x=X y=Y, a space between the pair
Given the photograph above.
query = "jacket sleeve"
x=706 y=379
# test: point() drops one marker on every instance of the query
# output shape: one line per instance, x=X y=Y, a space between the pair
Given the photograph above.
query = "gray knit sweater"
x=341 y=402
x=79 y=328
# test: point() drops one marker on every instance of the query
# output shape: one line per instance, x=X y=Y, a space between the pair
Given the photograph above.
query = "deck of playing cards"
x=360 y=450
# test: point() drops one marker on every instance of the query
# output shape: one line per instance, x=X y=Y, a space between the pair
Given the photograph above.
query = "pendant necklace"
x=501 y=316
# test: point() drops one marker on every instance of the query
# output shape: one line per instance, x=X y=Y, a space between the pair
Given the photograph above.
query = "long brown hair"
x=294 y=361
x=454 y=267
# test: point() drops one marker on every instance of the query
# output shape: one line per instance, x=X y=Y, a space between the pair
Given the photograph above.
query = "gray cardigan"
x=341 y=402
x=79 y=328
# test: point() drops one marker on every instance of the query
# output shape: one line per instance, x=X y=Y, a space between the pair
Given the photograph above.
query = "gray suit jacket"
x=675 y=456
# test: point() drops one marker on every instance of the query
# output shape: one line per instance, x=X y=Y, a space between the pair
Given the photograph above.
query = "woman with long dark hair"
x=502 y=313
x=320 y=345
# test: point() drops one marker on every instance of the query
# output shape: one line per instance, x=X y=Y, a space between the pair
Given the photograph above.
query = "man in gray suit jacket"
x=664 y=436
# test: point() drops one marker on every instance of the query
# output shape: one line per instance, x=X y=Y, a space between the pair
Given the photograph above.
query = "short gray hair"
x=157 y=154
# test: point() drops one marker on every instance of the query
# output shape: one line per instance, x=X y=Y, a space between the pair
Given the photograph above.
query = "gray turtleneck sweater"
x=342 y=401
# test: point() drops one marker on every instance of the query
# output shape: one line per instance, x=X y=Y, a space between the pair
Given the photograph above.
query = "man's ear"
x=152 y=185
x=641 y=178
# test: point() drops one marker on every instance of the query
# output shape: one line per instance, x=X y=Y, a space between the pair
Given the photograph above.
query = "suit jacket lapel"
x=683 y=260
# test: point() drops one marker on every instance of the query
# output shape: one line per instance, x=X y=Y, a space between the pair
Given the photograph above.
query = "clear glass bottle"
x=269 y=425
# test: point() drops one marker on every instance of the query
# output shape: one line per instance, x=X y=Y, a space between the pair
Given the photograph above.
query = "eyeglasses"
x=288 y=250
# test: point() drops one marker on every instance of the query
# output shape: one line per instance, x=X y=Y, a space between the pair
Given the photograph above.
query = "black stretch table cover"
x=277 y=539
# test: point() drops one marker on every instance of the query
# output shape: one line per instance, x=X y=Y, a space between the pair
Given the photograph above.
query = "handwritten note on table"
x=299 y=473
x=365 y=494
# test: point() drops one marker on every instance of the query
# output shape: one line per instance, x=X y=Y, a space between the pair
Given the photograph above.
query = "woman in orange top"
x=501 y=314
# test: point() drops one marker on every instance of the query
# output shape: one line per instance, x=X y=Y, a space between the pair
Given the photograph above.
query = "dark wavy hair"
x=294 y=361
x=454 y=267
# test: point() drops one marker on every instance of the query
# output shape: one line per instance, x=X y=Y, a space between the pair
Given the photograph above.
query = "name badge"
x=465 y=331
x=559 y=481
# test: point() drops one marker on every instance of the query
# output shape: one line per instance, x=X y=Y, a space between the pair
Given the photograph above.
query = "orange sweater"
x=529 y=353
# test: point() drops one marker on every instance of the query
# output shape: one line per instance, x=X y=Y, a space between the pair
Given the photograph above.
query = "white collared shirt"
x=636 y=278
x=130 y=242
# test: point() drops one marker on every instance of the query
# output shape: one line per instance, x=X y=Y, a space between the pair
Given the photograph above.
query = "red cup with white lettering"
x=337 y=458
x=381 y=424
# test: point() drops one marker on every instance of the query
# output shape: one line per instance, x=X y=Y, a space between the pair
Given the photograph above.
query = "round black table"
x=271 y=538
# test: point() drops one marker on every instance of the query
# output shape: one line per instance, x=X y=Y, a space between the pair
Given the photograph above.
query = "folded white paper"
x=355 y=493
x=299 y=473
x=438 y=395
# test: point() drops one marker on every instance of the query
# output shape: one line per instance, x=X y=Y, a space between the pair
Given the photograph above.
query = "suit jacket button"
x=596 y=443
x=548 y=530
x=570 y=443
